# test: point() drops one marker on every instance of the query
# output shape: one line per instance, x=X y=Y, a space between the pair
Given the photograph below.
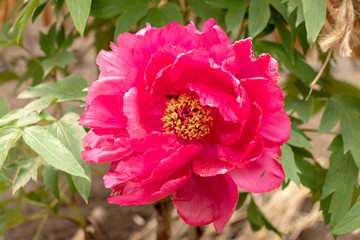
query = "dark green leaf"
x=297 y=139
x=235 y=15
x=58 y=5
x=314 y=15
x=67 y=89
x=47 y=41
x=8 y=76
x=241 y=200
x=35 y=71
x=79 y=11
x=162 y=16
x=51 y=180
x=340 y=181
x=71 y=134
x=257 y=219
x=292 y=172
x=330 y=117
x=8 y=138
x=296 y=5
x=302 y=107
x=53 y=151
x=259 y=15
x=111 y=8
x=130 y=17
x=38 y=11
x=350 y=222
x=206 y=11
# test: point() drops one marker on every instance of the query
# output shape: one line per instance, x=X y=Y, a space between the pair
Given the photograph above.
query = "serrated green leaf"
x=162 y=16
x=257 y=218
x=51 y=180
x=71 y=134
x=53 y=151
x=79 y=11
x=130 y=17
x=3 y=107
x=330 y=117
x=259 y=15
x=340 y=181
x=292 y=172
x=314 y=15
x=302 y=107
x=27 y=169
x=66 y=89
x=298 y=140
x=47 y=41
x=61 y=59
x=8 y=138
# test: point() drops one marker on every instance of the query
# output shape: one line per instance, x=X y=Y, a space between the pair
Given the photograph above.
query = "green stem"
x=41 y=227
x=163 y=208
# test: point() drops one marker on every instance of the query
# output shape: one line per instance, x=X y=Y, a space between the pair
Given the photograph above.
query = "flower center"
x=185 y=117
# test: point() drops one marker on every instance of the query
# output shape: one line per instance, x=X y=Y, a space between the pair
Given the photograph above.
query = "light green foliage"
x=288 y=162
x=314 y=15
x=350 y=222
x=8 y=138
x=79 y=11
x=26 y=169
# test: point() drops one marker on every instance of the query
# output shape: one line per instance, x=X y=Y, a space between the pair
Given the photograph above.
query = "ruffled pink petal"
x=100 y=149
x=237 y=152
x=203 y=200
x=154 y=140
x=131 y=194
x=206 y=163
x=276 y=124
x=262 y=175
x=265 y=66
x=104 y=112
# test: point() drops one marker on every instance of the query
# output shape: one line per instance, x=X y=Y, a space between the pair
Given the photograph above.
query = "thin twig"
x=319 y=75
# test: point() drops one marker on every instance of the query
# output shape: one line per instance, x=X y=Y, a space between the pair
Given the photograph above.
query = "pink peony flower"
x=186 y=114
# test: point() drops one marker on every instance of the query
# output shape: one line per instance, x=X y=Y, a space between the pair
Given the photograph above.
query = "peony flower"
x=184 y=113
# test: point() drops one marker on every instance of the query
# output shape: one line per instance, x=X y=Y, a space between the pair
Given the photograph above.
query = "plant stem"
x=163 y=209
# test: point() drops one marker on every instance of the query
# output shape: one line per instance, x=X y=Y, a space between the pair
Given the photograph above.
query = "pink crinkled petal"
x=104 y=112
x=203 y=200
x=262 y=175
x=133 y=195
x=173 y=34
x=100 y=149
x=265 y=66
x=207 y=163
x=237 y=152
x=154 y=140
x=276 y=124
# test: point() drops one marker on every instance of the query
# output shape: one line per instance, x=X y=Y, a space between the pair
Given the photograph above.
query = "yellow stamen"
x=187 y=118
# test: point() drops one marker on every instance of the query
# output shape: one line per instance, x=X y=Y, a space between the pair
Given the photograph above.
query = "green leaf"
x=347 y=109
x=53 y=151
x=38 y=11
x=314 y=15
x=340 y=181
x=36 y=105
x=51 y=180
x=33 y=118
x=67 y=89
x=206 y=11
x=61 y=59
x=79 y=11
x=259 y=15
x=130 y=17
x=35 y=71
x=292 y=172
x=8 y=76
x=350 y=222
x=3 y=107
x=297 y=139
x=47 y=41
x=27 y=169
x=241 y=199
x=257 y=218
x=23 y=17
x=162 y=16
x=71 y=134
x=235 y=15
x=12 y=217
x=111 y=8
x=8 y=138
x=302 y=107
x=296 y=5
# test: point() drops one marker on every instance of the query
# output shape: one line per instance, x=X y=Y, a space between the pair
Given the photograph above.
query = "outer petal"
x=204 y=200
x=264 y=66
x=276 y=124
x=132 y=195
x=263 y=175
x=100 y=149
